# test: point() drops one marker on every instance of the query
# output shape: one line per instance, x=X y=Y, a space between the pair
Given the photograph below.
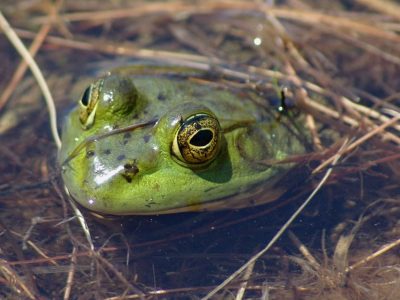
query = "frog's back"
x=164 y=93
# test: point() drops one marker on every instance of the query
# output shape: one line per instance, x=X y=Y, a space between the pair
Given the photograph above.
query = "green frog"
x=162 y=143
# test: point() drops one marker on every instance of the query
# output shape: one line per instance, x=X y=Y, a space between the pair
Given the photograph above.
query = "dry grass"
x=341 y=68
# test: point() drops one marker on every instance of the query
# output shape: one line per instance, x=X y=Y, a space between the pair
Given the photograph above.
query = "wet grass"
x=340 y=64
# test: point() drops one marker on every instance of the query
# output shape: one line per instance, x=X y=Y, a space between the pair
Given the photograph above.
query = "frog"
x=162 y=142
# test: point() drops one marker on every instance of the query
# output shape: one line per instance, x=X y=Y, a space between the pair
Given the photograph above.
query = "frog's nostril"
x=90 y=153
x=130 y=170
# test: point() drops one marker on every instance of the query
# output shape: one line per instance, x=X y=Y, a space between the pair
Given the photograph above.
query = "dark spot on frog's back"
x=146 y=138
x=121 y=157
x=107 y=152
x=127 y=136
x=130 y=170
x=198 y=93
x=161 y=97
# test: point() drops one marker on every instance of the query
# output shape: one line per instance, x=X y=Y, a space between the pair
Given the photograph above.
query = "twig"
x=71 y=273
x=20 y=71
x=118 y=274
x=81 y=219
x=19 y=46
x=386 y=7
x=374 y=255
x=243 y=286
x=35 y=46
x=358 y=142
x=15 y=280
x=303 y=249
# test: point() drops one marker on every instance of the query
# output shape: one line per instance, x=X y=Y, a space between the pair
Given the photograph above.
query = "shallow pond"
x=338 y=69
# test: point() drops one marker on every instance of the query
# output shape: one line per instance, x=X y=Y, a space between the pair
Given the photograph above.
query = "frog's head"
x=190 y=130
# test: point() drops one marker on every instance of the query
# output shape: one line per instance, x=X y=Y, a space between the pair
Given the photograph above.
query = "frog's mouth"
x=259 y=193
x=254 y=196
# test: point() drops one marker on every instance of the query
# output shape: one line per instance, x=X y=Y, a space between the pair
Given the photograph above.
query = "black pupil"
x=202 y=138
x=86 y=96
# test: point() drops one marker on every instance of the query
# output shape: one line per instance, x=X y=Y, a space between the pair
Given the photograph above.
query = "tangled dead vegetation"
x=339 y=63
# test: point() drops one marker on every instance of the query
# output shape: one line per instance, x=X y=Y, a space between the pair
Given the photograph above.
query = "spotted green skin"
x=155 y=182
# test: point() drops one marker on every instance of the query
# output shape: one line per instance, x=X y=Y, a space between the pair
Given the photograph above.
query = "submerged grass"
x=340 y=67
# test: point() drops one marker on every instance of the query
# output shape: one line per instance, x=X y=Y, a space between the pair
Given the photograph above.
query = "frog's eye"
x=198 y=139
x=88 y=104
x=85 y=99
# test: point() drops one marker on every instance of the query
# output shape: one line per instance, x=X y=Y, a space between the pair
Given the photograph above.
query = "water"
x=186 y=255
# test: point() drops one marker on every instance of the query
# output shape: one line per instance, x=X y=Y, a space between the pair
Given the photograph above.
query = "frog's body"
x=120 y=155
